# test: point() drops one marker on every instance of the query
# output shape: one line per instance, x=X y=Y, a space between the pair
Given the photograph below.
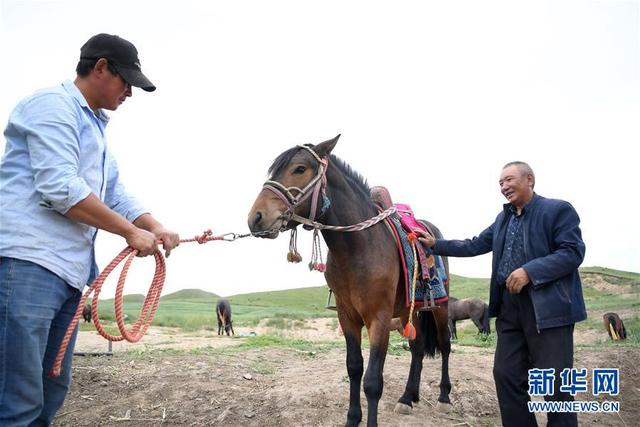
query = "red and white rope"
x=149 y=305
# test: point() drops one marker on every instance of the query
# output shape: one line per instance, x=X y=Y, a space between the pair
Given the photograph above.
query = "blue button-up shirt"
x=55 y=156
x=513 y=256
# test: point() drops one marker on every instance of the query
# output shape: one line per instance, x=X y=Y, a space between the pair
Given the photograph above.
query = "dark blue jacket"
x=553 y=251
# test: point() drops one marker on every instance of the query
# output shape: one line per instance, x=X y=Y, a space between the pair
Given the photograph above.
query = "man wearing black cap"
x=59 y=184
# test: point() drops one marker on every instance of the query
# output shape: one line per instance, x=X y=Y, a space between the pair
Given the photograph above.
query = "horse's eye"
x=299 y=170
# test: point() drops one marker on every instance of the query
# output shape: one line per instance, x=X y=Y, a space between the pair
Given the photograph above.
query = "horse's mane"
x=358 y=182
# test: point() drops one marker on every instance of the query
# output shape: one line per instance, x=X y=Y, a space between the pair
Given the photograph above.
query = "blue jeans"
x=36 y=306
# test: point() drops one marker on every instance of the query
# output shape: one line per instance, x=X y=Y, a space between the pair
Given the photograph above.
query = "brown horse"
x=86 y=313
x=469 y=308
x=363 y=268
x=223 y=313
x=614 y=326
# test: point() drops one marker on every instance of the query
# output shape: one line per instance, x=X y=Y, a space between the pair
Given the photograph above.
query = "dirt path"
x=286 y=387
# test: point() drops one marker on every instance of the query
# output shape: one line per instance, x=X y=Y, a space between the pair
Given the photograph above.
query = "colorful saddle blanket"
x=432 y=278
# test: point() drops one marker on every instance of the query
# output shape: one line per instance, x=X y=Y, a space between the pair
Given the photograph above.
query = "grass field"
x=604 y=289
x=193 y=309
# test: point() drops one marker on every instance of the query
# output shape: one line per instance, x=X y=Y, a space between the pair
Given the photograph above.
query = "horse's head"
x=295 y=187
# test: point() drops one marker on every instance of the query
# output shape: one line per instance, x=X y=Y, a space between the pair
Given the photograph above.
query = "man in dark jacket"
x=535 y=291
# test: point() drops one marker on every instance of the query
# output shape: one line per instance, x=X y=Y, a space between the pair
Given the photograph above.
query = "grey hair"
x=524 y=168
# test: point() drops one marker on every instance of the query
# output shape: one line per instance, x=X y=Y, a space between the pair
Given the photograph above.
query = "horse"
x=614 y=326
x=469 y=308
x=86 y=313
x=396 y=325
x=223 y=313
x=363 y=268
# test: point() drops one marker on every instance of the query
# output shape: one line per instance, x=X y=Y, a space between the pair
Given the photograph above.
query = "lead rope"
x=149 y=306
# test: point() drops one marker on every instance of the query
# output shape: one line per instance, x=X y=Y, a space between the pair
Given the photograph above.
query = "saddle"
x=432 y=277
x=381 y=197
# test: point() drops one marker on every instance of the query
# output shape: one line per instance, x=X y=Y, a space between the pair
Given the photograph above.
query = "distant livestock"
x=223 y=313
x=614 y=326
x=469 y=308
x=86 y=313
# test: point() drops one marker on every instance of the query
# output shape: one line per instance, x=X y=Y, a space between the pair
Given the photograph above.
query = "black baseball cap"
x=122 y=54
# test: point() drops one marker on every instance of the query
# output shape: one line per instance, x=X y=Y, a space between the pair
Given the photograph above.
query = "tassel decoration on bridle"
x=316 y=262
x=293 y=255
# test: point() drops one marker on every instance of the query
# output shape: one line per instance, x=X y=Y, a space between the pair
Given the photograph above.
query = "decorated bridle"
x=316 y=187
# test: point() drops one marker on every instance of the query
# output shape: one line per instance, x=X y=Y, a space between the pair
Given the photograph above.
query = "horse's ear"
x=324 y=148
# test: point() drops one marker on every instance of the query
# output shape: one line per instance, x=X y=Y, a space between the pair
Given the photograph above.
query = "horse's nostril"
x=258 y=218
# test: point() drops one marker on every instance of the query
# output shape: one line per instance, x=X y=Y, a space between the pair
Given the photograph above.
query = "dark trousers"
x=521 y=347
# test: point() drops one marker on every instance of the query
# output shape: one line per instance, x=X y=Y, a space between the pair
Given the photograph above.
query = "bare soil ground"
x=287 y=387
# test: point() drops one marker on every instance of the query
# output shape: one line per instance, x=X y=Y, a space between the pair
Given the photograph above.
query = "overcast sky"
x=431 y=99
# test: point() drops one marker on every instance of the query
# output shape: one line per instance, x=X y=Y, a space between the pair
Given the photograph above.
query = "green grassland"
x=194 y=309
x=617 y=291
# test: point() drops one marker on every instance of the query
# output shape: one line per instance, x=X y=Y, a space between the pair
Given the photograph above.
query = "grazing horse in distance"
x=223 y=313
x=614 y=326
x=469 y=308
x=86 y=313
x=307 y=183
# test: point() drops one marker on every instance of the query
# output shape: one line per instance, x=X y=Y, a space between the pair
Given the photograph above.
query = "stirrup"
x=429 y=303
x=330 y=306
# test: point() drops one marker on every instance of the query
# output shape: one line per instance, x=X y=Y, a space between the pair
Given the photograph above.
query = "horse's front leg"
x=355 y=367
x=478 y=322
x=378 y=331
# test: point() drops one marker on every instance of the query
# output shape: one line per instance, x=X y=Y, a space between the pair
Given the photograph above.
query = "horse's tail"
x=486 y=324
x=220 y=315
x=429 y=333
x=612 y=328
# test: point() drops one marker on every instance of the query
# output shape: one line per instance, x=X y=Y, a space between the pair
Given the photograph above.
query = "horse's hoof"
x=443 y=408
x=403 y=409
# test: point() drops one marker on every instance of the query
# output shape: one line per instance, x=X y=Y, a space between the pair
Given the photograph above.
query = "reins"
x=345 y=228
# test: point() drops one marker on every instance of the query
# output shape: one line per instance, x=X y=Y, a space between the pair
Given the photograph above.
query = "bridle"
x=316 y=187
x=295 y=196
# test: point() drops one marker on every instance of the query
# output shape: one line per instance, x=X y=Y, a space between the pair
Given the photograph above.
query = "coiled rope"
x=149 y=306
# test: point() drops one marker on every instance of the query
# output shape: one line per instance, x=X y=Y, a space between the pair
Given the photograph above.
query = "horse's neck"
x=347 y=208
